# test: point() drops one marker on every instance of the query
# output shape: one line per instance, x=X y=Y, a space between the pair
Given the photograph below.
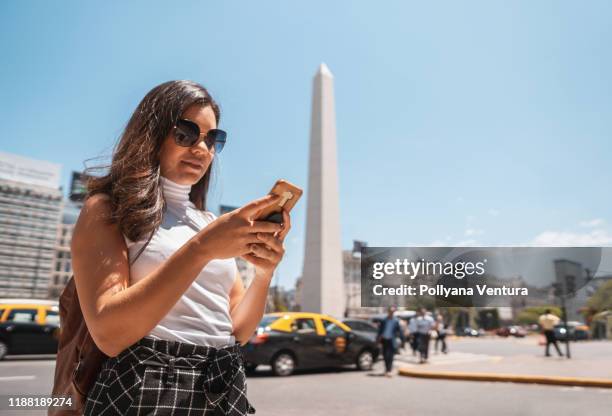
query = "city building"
x=352 y=282
x=298 y=294
x=351 y=260
x=280 y=299
x=30 y=211
x=62 y=270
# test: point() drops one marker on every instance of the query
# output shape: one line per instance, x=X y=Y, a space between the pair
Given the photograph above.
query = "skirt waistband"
x=184 y=349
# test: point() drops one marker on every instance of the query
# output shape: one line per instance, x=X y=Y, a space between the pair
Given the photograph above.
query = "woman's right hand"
x=231 y=234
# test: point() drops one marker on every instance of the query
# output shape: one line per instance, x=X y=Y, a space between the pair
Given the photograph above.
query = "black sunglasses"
x=187 y=134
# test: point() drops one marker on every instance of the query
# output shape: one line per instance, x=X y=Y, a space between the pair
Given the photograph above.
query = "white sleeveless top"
x=201 y=316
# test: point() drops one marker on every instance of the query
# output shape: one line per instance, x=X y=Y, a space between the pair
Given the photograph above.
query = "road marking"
x=17 y=378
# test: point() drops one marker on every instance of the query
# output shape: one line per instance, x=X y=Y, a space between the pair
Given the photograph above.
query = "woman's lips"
x=193 y=164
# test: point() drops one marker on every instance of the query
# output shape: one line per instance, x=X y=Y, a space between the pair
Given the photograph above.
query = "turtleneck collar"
x=174 y=193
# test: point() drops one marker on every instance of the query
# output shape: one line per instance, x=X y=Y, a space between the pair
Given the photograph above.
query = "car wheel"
x=250 y=368
x=365 y=360
x=283 y=364
x=3 y=350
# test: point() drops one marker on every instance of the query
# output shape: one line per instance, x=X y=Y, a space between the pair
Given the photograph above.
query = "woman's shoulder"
x=97 y=216
x=99 y=201
x=96 y=207
x=94 y=225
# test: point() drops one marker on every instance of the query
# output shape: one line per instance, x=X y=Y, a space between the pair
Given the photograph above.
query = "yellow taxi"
x=28 y=326
x=295 y=340
x=40 y=311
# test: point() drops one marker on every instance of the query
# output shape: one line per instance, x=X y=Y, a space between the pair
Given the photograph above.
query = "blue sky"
x=459 y=123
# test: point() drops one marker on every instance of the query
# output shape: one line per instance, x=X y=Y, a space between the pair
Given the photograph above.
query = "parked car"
x=575 y=331
x=512 y=330
x=471 y=332
x=29 y=310
x=297 y=340
x=362 y=327
x=28 y=329
x=406 y=316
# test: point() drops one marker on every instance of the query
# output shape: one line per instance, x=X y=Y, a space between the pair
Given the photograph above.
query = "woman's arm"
x=247 y=306
x=117 y=314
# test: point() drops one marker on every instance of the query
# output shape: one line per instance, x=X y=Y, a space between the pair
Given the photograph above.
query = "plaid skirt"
x=161 y=377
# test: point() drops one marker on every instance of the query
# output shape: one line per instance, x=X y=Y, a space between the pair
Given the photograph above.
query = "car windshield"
x=359 y=326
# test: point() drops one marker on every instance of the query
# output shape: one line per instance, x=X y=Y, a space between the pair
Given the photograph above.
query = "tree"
x=602 y=298
x=531 y=314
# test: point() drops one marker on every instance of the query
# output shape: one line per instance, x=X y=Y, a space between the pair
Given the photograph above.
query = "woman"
x=155 y=271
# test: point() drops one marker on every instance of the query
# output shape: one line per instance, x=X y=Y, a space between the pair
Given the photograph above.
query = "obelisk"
x=322 y=278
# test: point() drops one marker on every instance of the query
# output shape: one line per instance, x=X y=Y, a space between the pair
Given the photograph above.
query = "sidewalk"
x=582 y=370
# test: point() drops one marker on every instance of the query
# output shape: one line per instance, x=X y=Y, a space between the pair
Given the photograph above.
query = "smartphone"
x=289 y=196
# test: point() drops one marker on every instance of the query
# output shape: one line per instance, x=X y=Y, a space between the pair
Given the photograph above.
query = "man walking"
x=388 y=332
x=441 y=331
x=547 y=323
x=424 y=324
x=414 y=335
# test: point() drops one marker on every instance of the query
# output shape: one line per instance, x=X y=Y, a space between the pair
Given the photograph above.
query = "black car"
x=297 y=340
x=576 y=331
x=362 y=327
x=27 y=338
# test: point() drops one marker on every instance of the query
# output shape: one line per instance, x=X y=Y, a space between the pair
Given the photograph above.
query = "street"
x=350 y=392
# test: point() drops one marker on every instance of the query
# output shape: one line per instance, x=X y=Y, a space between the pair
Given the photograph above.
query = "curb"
x=509 y=378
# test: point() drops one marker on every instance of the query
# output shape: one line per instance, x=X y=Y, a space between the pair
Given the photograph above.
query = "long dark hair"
x=132 y=180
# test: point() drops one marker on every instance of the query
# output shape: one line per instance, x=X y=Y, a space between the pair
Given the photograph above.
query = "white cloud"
x=494 y=212
x=473 y=231
x=592 y=223
x=466 y=243
x=435 y=243
x=562 y=238
x=447 y=243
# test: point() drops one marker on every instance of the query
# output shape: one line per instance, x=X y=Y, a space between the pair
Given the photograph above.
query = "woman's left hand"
x=266 y=256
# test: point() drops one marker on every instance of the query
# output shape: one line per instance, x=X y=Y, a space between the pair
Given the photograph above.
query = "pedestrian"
x=389 y=331
x=547 y=322
x=404 y=330
x=425 y=324
x=155 y=271
x=414 y=335
x=440 y=327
